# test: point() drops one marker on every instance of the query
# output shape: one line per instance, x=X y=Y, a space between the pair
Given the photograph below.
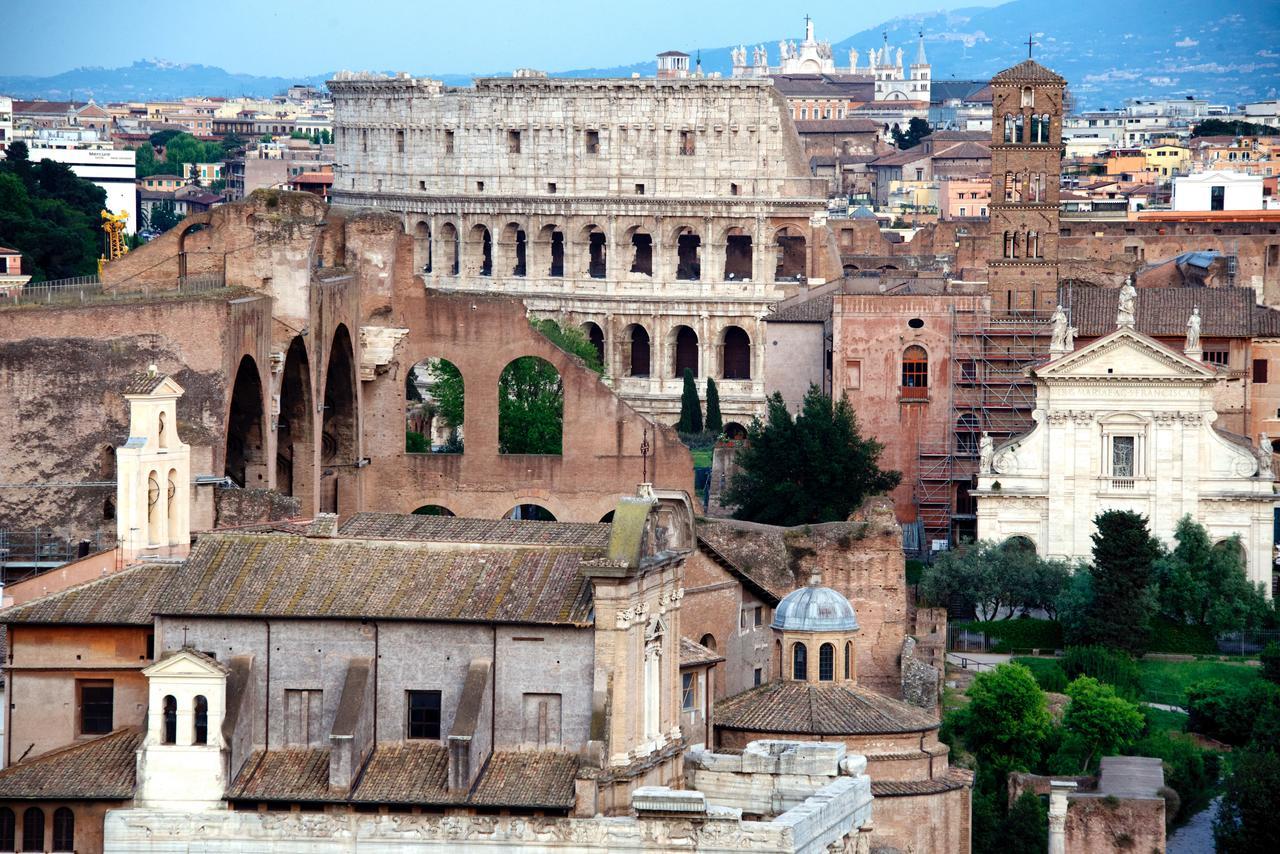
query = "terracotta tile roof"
x=532 y=778
x=1028 y=71
x=963 y=151
x=102 y=769
x=126 y=598
x=142 y=382
x=955 y=778
x=832 y=708
x=287 y=576
x=694 y=654
x=456 y=529
x=1226 y=312
x=410 y=773
x=816 y=310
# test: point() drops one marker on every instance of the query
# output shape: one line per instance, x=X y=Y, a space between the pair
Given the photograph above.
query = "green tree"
x=690 y=407
x=995 y=579
x=1246 y=821
x=1123 y=597
x=572 y=340
x=814 y=467
x=326 y=138
x=1026 y=830
x=917 y=129
x=163 y=216
x=145 y=163
x=1220 y=127
x=1104 y=722
x=448 y=392
x=1206 y=585
x=530 y=407
x=1270 y=658
x=1007 y=721
x=161 y=138
x=266 y=137
x=715 y=421
x=50 y=215
x=231 y=143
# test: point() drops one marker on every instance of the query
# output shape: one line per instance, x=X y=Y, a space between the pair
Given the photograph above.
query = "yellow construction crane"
x=113 y=225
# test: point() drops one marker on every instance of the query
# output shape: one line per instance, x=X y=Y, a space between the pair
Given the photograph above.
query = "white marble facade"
x=1126 y=423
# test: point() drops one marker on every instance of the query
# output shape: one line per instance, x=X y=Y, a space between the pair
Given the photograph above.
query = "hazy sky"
x=295 y=38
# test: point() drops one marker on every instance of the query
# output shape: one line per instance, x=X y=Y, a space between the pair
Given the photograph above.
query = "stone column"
x=1058 y=792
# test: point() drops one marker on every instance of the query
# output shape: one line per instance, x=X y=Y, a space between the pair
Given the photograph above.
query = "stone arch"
x=199 y=720
x=451 y=248
x=530 y=407
x=683 y=342
x=433 y=510
x=595 y=335
x=188 y=227
x=1019 y=543
x=169 y=721
x=530 y=512
x=735 y=355
x=171 y=509
x=607 y=518
x=422 y=246
x=641 y=243
x=734 y=430
x=245 y=457
x=1234 y=547
x=33 y=829
x=595 y=251
x=338 y=436
x=709 y=641
x=636 y=351
x=435 y=406
x=550 y=250
x=295 y=427
x=514 y=250
x=479 y=251
x=153 y=508
x=688 y=245
x=739 y=254
x=792 y=255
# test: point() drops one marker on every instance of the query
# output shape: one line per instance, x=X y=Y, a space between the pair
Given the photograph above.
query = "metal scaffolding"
x=988 y=392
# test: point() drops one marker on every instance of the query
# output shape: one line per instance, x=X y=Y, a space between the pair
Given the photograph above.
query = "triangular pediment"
x=1125 y=354
x=184 y=663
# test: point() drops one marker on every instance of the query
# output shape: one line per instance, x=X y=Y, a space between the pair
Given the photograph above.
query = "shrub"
x=1106 y=665
x=1023 y=633
x=1229 y=713
x=915 y=569
x=1103 y=721
x=415 y=443
x=1270 y=658
x=1189 y=770
x=1169 y=636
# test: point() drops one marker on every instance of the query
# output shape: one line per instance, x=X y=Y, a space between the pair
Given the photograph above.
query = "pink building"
x=964 y=198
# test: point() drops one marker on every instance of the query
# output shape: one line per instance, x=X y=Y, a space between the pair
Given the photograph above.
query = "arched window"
x=686 y=352
x=596 y=336
x=709 y=641
x=245 y=461
x=792 y=256
x=435 y=400
x=1008 y=244
x=450 y=243
x=737 y=354
x=480 y=252
x=826 y=663
x=162 y=438
x=422 y=246
x=1017 y=244
x=688 y=255
x=530 y=407
x=64 y=829
x=8 y=829
x=171 y=504
x=637 y=351
x=799 y=662
x=848 y=659
x=915 y=367
x=1019 y=122
x=153 y=512
x=1008 y=189
x=1008 y=127
x=170 y=728
x=201 y=719
x=1028 y=96
x=33 y=829
x=530 y=512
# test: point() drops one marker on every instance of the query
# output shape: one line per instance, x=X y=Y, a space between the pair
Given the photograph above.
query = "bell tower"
x=1026 y=162
x=153 y=472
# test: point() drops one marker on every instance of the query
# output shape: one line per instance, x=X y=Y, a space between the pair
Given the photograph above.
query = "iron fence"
x=88 y=290
x=1247 y=642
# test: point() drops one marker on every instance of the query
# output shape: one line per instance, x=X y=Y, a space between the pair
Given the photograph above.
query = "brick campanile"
x=1026 y=162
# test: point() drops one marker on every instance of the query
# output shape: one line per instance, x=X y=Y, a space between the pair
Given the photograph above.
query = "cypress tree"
x=1123 y=596
x=690 y=406
x=715 y=423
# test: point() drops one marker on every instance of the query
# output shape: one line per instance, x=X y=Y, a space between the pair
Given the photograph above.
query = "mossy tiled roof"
x=127 y=598
x=102 y=769
x=456 y=529
x=831 y=708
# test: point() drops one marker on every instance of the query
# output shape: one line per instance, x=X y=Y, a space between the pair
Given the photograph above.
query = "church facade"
x=1127 y=423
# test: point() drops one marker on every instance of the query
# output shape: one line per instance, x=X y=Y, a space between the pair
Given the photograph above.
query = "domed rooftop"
x=815 y=608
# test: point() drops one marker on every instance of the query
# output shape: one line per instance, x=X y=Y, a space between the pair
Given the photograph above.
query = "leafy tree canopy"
x=1235 y=127
x=814 y=467
x=50 y=215
x=996 y=579
x=917 y=129
x=1246 y=822
x=1103 y=722
x=1007 y=720
x=1205 y=585
x=530 y=407
x=572 y=340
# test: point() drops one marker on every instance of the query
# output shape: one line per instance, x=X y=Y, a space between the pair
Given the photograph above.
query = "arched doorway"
x=596 y=336
x=736 y=354
x=338 y=437
x=295 y=441
x=792 y=256
x=685 y=351
x=245 y=457
x=637 y=352
x=422 y=247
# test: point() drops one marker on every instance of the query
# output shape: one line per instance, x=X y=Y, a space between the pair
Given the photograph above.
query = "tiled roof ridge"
x=6 y=613
x=75 y=746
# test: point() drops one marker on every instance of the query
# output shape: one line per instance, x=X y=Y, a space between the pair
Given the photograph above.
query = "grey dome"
x=815 y=609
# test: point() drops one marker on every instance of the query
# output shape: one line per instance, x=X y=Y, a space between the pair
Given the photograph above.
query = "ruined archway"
x=530 y=407
x=435 y=397
x=451 y=249
x=422 y=247
x=480 y=251
x=739 y=257
x=636 y=351
x=734 y=430
x=338 y=437
x=245 y=457
x=295 y=427
x=736 y=354
x=792 y=256
x=593 y=243
x=685 y=351
x=596 y=336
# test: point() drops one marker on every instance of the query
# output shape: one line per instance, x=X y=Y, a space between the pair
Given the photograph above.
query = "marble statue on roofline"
x=1125 y=304
x=1193 y=329
x=986 y=452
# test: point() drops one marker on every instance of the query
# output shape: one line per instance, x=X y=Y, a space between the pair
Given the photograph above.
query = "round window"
x=915 y=323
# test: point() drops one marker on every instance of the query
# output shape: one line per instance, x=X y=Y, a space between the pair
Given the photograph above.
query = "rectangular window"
x=513 y=142
x=1216 y=357
x=591 y=141
x=757 y=676
x=1217 y=198
x=400 y=142
x=639 y=189
x=688 y=143
x=853 y=374
x=448 y=142
x=688 y=692
x=759 y=616
x=424 y=714
x=479 y=186
x=551 y=186
x=1122 y=456
x=1259 y=370
x=97 y=706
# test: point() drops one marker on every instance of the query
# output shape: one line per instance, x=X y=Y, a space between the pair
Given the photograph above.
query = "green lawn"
x=1037 y=666
x=1166 y=722
x=1167 y=681
x=702 y=458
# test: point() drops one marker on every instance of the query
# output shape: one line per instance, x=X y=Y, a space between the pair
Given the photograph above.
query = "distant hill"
x=1227 y=51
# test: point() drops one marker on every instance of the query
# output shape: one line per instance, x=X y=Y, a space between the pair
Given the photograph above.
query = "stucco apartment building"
x=662 y=216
